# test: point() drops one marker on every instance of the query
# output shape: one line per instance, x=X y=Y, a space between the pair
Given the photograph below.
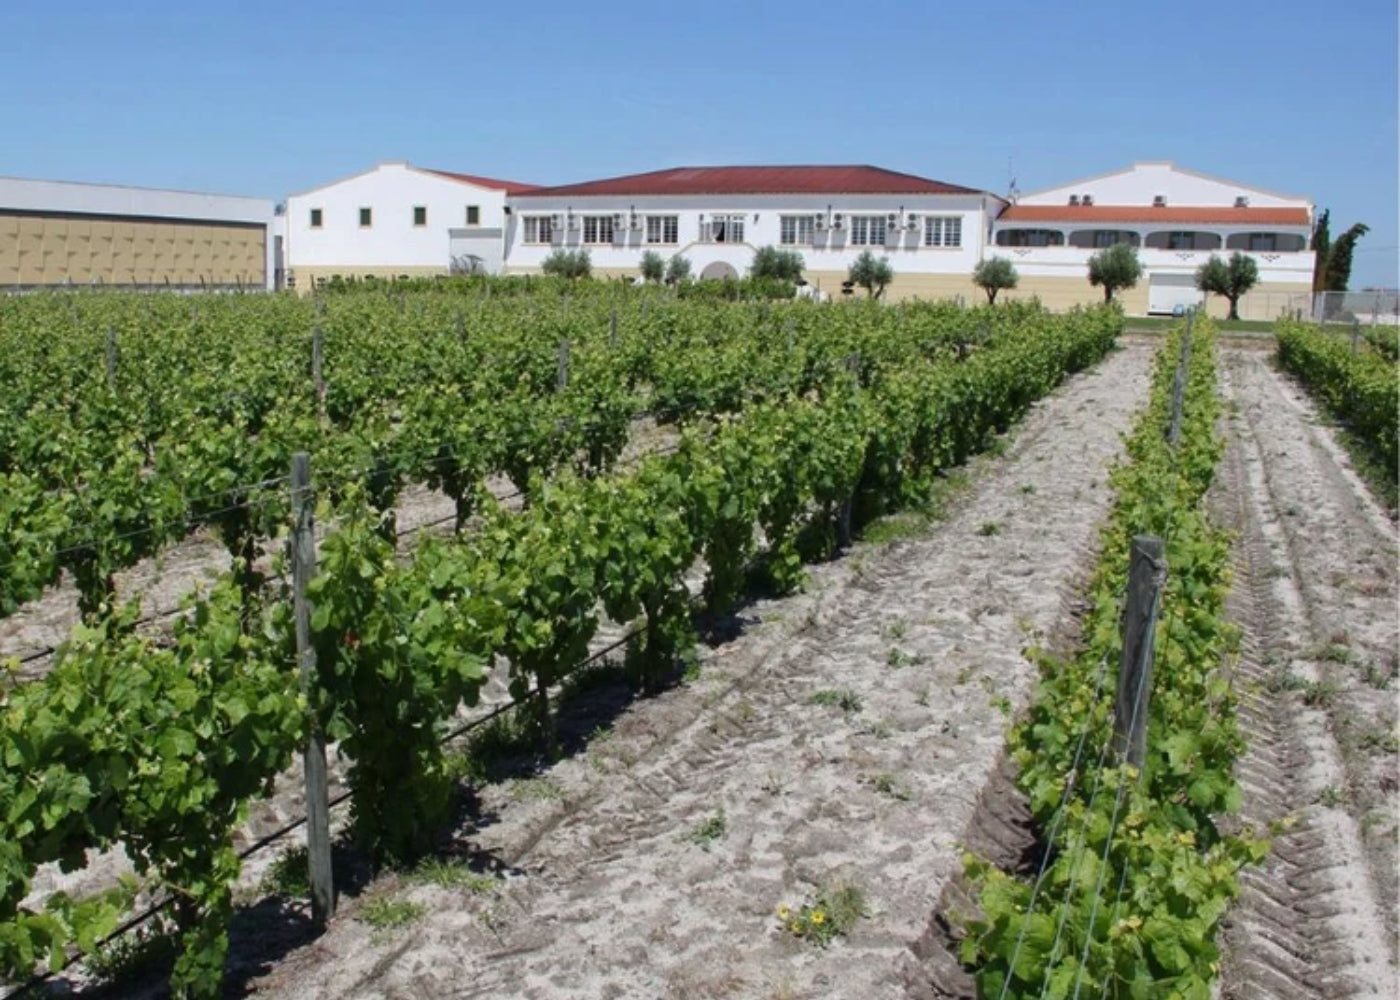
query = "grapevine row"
x=159 y=746
x=1137 y=872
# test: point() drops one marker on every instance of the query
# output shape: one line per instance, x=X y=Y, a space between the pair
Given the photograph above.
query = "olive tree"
x=1228 y=278
x=1114 y=268
x=781 y=265
x=568 y=264
x=871 y=273
x=653 y=266
x=994 y=274
x=677 y=270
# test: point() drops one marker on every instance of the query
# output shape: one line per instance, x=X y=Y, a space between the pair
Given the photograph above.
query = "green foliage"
x=992 y=274
x=1338 y=273
x=653 y=267
x=1154 y=833
x=677 y=270
x=1361 y=389
x=1115 y=268
x=571 y=264
x=397 y=649
x=384 y=914
x=871 y=273
x=776 y=264
x=159 y=746
x=832 y=914
x=155 y=748
x=737 y=289
x=1230 y=279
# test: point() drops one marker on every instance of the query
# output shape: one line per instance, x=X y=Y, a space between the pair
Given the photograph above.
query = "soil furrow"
x=1311 y=923
x=845 y=735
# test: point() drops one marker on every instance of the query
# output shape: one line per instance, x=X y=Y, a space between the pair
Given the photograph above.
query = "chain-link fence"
x=1370 y=308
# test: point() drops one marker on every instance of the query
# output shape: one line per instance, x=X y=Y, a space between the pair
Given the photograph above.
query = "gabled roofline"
x=1170 y=166
x=572 y=189
x=490 y=183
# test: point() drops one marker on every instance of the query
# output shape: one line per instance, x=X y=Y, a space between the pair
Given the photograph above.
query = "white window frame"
x=796 y=230
x=663 y=230
x=598 y=230
x=943 y=232
x=543 y=227
x=731 y=225
x=868 y=230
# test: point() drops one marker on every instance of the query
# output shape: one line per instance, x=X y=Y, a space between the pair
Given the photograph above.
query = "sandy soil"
x=608 y=892
x=1316 y=595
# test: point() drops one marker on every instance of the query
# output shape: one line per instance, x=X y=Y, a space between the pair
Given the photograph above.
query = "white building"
x=397 y=219
x=717 y=217
x=1177 y=219
x=63 y=233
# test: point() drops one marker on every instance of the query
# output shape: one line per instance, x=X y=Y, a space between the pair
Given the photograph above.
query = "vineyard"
x=609 y=608
x=132 y=422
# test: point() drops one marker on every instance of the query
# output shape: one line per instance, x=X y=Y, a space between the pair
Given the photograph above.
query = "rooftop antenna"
x=1013 y=193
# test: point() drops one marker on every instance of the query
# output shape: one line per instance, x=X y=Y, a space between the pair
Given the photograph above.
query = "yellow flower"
x=818 y=917
x=784 y=912
x=795 y=927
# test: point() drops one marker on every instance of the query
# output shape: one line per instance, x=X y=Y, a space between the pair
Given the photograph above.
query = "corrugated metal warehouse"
x=61 y=233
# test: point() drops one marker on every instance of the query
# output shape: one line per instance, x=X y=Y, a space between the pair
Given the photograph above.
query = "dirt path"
x=617 y=891
x=1316 y=595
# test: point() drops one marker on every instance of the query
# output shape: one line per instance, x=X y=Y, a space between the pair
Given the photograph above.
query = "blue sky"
x=267 y=98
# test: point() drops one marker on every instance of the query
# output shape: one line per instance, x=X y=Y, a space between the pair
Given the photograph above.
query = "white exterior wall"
x=20 y=194
x=831 y=249
x=390 y=190
x=1139 y=184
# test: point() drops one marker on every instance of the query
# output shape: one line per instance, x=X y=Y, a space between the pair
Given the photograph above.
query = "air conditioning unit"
x=556 y=222
x=837 y=221
x=1159 y=201
x=573 y=222
x=635 y=223
x=819 y=222
x=618 y=218
x=892 y=220
x=1242 y=201
x=1087 y=199
x=911 y=223
x=1074 y=199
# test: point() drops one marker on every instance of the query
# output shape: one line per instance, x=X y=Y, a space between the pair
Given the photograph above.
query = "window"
x=1263 y=242
x=315 y=218
x=1181 y=241
x=724 y=229
x=867 y=230
x=539 y=229
x=420 y=215
x=795 y=230
x=473 y=215
x=943 y=231
x=1111 y=237
x=1030 y=238
x=597 y=229
x=366 y=218
x=663 y=229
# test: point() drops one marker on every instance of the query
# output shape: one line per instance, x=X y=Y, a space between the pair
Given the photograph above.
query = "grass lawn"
x=1152 y=324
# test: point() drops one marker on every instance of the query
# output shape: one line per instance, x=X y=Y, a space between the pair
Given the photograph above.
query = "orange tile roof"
x=1148 y=215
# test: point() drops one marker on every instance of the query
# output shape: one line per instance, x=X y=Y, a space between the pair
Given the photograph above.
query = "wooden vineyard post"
x=1183 y=365
x=1355 y=335
x=318 y=355
x=561 y=381
x=843 y=518
x=612 y=330
x=111 y=356
x=1147 y=573
x=318 y=833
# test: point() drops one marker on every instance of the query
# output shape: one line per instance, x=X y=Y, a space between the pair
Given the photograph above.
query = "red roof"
x=509 y=187
x=761 y=180
x=1139 y=214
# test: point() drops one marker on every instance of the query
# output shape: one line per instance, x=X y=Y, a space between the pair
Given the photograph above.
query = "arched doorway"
x=718 y=271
